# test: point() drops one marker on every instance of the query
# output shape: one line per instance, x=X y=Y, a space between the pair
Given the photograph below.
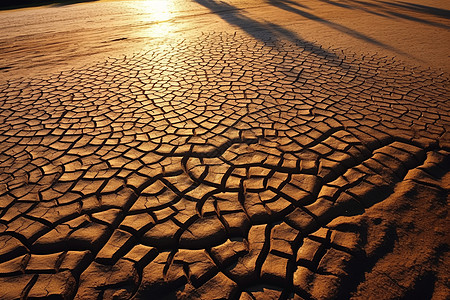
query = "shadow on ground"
x=14 y=4
x=259 y=30
x=402 y=10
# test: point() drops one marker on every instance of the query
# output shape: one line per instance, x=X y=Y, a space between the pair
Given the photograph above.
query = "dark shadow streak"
x=334 y=3
x=388 y=12
x=259 y=30
x=439 y=12
x=297 y=4
x=365 y=9
x=282 y=5
x=16 y=4
x=410 y=18
x=364 y=3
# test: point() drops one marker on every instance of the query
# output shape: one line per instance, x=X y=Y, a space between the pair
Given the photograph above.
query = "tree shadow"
x=259 y=30
x=285 y=5
x=439 y=12
x=400 y=10
x=421 y=9
x=235 y=17
x=16 y=4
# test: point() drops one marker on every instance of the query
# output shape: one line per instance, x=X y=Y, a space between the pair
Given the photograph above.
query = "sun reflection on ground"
x=156 y=14
x=158 y=10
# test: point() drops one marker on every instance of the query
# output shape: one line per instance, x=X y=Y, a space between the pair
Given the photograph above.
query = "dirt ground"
x=225 y=150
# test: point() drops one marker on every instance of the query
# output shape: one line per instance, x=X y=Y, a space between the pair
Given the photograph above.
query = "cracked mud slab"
x=226 y=167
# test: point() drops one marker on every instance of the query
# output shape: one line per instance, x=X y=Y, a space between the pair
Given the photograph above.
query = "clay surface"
x=226 y=166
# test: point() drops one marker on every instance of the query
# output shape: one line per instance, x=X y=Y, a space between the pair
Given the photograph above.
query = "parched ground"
x=226 y=167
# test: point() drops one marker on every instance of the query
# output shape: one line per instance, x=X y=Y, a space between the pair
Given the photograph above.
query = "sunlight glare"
x=157 y=14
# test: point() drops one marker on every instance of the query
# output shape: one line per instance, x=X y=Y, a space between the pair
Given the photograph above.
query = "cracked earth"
x=226 y=167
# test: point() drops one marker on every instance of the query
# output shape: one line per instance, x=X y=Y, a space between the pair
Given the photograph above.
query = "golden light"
x=157 y=10
x=156 y=15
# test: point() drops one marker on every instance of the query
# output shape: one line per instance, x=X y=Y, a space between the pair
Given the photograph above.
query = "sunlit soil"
x=222 y=152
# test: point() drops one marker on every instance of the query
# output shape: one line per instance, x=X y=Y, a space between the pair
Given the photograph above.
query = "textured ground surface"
x=226 y=167
x=42 y=41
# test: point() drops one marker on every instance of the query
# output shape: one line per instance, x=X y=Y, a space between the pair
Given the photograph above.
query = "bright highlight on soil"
x=157 y=13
